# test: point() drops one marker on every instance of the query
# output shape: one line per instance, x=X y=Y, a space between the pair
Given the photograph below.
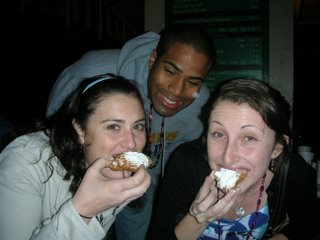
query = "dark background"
x=39 y=41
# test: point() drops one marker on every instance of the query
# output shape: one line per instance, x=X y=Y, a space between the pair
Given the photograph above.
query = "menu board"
x=239 y=29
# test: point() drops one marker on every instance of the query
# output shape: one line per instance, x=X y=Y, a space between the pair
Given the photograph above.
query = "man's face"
x=175 y=78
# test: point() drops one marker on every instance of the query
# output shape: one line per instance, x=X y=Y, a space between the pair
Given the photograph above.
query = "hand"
x=207 y=206
x=102 y=188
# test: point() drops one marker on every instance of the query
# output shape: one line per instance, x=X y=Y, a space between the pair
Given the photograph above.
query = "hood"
x=134 y=55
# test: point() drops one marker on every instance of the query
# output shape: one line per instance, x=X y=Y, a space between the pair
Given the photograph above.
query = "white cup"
x=304 y=148
x=308 y=156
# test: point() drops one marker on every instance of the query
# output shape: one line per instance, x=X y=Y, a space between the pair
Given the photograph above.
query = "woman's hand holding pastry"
x=207 y=207
x=102 y=189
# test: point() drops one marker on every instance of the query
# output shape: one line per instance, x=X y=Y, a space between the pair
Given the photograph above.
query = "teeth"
x=243 y=171
x=169 y=101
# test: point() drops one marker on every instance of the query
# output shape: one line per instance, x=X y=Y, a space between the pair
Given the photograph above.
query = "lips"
x=169 y=103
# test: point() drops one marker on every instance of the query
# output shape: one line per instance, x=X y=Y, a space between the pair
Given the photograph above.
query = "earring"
x=272 y=165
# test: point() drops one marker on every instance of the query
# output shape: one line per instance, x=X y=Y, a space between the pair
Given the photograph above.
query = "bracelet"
x=85 y=216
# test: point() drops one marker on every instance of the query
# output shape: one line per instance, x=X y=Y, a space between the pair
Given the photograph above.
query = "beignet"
x=130 y=161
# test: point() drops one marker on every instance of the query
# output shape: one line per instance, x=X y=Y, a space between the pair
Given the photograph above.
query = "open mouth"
x=169 y=103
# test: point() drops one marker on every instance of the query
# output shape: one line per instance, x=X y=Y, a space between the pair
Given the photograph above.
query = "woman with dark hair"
x=246 y=130
x=54 y=178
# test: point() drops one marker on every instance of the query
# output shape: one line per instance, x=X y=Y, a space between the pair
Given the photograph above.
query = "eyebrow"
x=112 y=120
x=242 y=127
x=179 y=70
x=121 y=120
x=254 y=126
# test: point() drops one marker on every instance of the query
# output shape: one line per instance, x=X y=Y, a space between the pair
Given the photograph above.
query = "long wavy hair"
x=78 y=106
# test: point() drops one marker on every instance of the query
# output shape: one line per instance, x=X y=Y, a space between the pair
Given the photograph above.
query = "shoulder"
x=95 y=61
x=297 y=172
x=135 y=53
x=26 y=154
x=100 y=55
x=147 y=37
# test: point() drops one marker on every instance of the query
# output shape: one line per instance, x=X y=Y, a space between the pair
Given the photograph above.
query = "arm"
x=189 y=228
x=20 y=196
x=183 y=176
x=28 y=203
x=32 y=206
x=102 y=193
x=204 y=209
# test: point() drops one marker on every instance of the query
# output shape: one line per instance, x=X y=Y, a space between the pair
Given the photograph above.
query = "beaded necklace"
x=161 y=143
x=252 y=225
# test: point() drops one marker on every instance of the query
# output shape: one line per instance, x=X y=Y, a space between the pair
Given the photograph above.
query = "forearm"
x=278 y=236
x=67 y=224
x=189 y=229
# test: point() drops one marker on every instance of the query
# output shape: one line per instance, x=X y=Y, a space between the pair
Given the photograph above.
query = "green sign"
x=239 y=29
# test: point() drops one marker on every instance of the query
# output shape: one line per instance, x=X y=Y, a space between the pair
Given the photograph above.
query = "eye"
x=114 y=127
x=140 y=127
x=250 y=139
x=170 y=71
x=217 y=135
x=195 y=82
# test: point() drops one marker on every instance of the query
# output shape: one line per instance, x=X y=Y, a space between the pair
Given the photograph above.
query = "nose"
x=230 y=154
x=129 y=140
x=176 y=86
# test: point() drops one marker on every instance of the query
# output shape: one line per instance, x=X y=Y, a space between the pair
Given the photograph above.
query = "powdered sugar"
x=137 y=158
x=227 y=178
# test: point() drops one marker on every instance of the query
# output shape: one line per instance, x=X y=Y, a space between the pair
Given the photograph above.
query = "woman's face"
x=117 y=125
x=238 y=139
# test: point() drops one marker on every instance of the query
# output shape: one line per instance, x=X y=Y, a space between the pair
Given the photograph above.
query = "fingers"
x=208 y=205
x=136 y=185
x=222 y=206
x=126 y=182
x=206 y=188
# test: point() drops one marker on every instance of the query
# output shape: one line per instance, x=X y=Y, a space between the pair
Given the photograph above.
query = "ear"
x=278 y=148
x=152 y=58
x=79 y=131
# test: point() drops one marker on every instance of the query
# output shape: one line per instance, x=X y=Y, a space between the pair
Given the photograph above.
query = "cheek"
x=155 y=76
x=191 y=94
x=100 y=148
x=259 y=159
x=214 y=151
x=141 y=141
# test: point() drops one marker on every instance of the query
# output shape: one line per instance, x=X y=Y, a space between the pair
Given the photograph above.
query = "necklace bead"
x=161 y=140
